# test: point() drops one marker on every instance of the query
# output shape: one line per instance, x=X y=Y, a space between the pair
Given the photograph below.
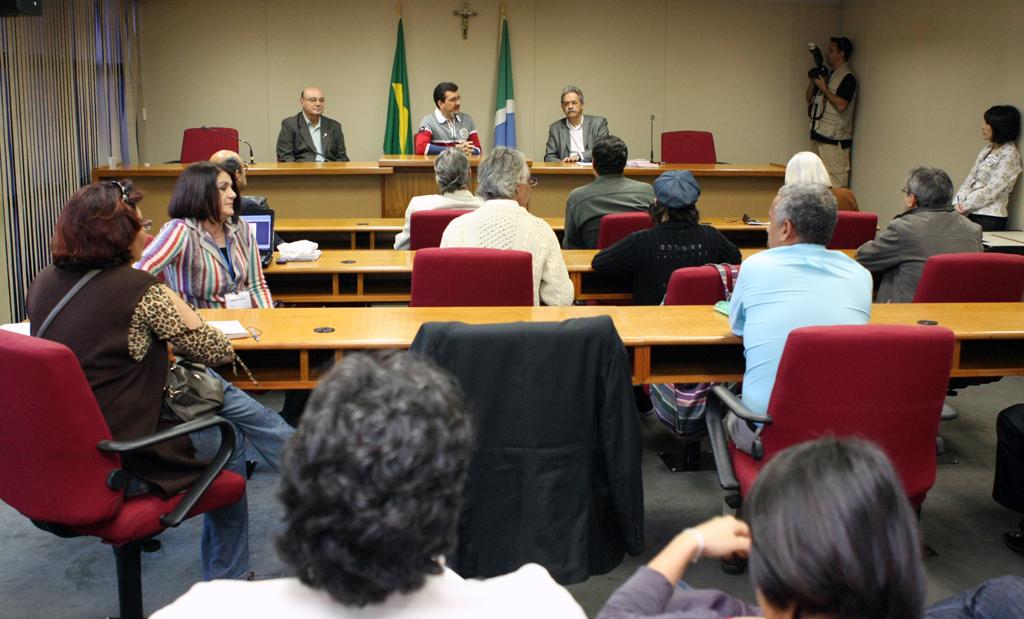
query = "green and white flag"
x=505 y=99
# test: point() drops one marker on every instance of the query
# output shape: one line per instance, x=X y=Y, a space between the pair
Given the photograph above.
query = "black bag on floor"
x=1008 y=488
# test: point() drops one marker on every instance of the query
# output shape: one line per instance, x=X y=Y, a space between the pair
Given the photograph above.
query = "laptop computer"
x=261 y=226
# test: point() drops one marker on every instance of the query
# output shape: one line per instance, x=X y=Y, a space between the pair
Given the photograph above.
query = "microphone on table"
x=652 y=139
x=252 y=160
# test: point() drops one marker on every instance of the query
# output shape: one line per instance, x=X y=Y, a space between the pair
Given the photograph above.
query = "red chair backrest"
x=885 y=383
x=688 y=147
x=464 y=277
x=50 y=468
x=619 y=225
x=427 y=227
x=197 y=144
x=853 y=229
x=971 y=278
x=696 y=286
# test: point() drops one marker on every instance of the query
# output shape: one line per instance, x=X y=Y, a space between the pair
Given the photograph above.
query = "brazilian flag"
x=398 y=134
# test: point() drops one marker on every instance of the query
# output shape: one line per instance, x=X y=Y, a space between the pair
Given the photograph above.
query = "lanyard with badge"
x=235 y=299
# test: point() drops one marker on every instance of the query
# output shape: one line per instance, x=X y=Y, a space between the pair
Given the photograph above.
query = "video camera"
x=820 y=69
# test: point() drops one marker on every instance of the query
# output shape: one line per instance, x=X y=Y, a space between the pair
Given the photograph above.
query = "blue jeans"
x=225 y=544
x=999 y=598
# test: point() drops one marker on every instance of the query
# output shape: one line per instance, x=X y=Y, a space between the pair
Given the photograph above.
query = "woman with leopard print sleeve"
x=118 y=325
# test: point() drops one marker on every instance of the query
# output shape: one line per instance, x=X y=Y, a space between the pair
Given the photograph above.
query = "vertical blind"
x=69 y=96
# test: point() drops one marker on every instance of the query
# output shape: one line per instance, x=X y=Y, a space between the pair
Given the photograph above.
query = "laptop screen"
x=262 y=229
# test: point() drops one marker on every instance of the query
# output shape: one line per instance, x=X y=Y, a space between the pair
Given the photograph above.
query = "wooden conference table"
x=666 y=344
x=385 y=276
x=383 y=188
x=379 y=232
x=727 y=189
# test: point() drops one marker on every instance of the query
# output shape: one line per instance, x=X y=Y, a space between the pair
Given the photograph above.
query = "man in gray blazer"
x=309 y=135
x=571 y=138
x=927 y=227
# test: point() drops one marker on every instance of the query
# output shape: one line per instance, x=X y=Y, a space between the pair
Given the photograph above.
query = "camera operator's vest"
x=833 y=124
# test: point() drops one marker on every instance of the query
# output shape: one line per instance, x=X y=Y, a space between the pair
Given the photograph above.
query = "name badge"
x=238 y=300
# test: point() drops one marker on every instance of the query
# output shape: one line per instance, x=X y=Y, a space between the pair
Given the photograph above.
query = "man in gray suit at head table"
x=571 y=138
x=309 y=135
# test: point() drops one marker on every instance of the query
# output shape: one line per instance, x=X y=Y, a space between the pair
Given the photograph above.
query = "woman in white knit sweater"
x=504 y=182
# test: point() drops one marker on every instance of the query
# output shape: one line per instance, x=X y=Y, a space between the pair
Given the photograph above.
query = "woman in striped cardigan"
x=204 y=253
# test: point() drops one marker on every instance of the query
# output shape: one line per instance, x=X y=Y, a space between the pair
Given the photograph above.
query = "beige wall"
x=734 y=67
x=927 y=72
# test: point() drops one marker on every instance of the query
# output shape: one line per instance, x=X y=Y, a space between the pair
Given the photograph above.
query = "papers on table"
x=640 y=163
x=17 y=327
x=231 y=328
x=1009 y=239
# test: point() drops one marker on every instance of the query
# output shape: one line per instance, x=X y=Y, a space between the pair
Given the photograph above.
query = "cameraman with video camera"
x=830 y=97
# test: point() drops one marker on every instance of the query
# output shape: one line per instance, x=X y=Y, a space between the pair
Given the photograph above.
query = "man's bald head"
x=312 y=100
x=232 y=162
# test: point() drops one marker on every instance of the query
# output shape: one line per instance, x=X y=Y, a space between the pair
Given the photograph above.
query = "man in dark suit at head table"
x=309 y=135
x=570 y=139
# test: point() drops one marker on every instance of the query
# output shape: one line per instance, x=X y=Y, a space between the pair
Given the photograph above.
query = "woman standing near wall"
x=985 y=192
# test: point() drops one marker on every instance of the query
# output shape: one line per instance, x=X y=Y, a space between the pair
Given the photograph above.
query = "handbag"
x=680 y=407
x=191 y=392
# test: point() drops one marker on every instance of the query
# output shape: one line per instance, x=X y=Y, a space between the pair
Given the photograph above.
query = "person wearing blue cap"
x=677 y=240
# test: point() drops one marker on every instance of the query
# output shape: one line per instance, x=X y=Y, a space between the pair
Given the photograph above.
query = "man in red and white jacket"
x=447 y=127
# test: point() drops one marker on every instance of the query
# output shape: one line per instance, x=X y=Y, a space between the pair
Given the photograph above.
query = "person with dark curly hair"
x=372 y=488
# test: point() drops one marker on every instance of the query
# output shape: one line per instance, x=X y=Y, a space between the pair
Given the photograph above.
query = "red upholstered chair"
x=853 y=229
x=688 y=147
x=427 y=227
x=697 y=286
x=198 y=143
x=971 y=278
x=885 y=383
x=619 y=225
x=466 y=277
x=59 y=466
x=974 y=277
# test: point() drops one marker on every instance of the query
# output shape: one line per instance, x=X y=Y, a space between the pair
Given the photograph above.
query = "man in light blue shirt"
x=795 y=283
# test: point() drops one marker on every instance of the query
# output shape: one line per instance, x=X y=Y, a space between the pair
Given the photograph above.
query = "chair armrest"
x=737 y=407
x=714 y=418
x=217 y=464
x=161 y=437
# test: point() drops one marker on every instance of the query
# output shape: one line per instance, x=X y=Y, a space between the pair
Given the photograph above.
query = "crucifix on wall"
x=465 y=13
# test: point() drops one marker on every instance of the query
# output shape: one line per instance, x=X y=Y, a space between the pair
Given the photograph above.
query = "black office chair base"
x=1014 y=540
x=129 y=579
x=686 y=459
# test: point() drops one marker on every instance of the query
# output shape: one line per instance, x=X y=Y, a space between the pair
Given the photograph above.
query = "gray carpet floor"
x=45 y=576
